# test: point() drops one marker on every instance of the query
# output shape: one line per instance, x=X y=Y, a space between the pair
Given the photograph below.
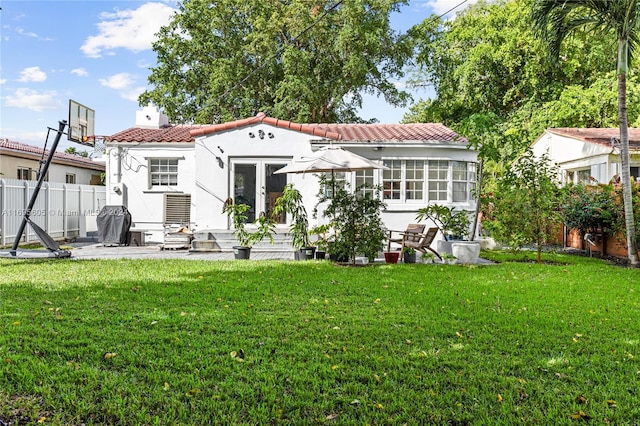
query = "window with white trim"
x=438 y=180
x=392 y=180
x=424 y=181
x=414 y=180
x=163 y=172
x=365 y=182
x=24 y=173
x=464 y=180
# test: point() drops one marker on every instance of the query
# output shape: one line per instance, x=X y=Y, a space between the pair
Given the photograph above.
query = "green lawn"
x=257 y=342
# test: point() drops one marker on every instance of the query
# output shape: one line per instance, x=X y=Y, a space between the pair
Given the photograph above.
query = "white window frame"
x=165 y=176
x=24 y=171
x=70 y=178
x=406 y=181
x=434 y=166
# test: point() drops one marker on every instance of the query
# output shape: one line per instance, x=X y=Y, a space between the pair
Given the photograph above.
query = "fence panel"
x=63 y=210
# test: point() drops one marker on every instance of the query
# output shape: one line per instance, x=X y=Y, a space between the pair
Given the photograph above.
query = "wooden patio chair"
x=415 y=237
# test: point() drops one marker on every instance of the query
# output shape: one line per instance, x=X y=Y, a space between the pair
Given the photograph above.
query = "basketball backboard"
x=82 y=121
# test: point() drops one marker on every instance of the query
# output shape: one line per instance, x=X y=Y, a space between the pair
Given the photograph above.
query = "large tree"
x=301 y=60
x=488 y=60
x=556 y=20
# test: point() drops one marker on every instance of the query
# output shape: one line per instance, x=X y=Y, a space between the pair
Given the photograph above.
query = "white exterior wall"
x=128 y=171
x=213 y=182
x=573 y=155
x=209 y=180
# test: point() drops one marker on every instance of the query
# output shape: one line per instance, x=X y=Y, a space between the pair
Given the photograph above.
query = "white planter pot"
x=466 y=251
x=444 y=247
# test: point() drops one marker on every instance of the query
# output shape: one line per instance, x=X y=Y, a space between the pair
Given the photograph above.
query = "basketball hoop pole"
x=43 y=174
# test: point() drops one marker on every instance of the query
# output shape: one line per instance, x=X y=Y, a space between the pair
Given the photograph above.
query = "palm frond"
x=554 y=20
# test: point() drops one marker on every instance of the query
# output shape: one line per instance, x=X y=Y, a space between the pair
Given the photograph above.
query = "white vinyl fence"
x=63 y=210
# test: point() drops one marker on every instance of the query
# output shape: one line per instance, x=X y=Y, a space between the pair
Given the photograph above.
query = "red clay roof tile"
x=600 y=136
x=18 y=147
x=343 y=132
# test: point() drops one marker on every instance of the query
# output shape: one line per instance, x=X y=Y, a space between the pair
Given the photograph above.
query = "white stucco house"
x=588 y=155
x=182 y=174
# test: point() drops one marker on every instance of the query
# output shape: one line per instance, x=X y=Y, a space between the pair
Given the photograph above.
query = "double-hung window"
x=464 y=180
x=392 y=180
x=414 y=180
x=429 y=181
x=438 y=180
x=365 y=182
x=163 y=172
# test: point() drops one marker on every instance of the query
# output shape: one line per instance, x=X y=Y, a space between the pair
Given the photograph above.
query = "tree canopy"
x=308 y=61
x=488 y=60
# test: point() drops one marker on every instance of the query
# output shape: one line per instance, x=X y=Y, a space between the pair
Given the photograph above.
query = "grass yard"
x=271 y=342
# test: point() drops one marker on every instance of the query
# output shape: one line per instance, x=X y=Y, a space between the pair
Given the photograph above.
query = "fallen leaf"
x=332 y=416
x=109 y=355
x=166 y=386
x=499 y=398
x=611 y=403
x=580 y=415
x=379 y=406
x=581 y=399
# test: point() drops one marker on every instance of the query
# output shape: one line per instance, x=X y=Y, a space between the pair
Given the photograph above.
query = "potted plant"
x=391 y=256
x=454 y=225
x=428 y=257
x=449 y=258
x=358 y=223
x=238 y=214
x=409 y=255
x=322 y=240
x=290 y=203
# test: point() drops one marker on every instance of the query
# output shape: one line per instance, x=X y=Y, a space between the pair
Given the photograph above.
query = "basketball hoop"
x=97 y=143
x=82 y=121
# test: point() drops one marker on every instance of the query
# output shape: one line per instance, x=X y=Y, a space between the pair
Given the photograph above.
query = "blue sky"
x=98 y=53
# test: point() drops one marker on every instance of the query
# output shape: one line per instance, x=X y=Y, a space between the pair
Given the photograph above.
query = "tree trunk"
x=625 y=172
x=478 y=193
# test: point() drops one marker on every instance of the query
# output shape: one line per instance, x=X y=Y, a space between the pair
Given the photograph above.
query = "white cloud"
x=441 y=6
x=119 y=81
x=132 y=94
x=32 y=74
x=128 y=29
x=33 y=100
x=80 y=72
x=22 y=32
x=3 y=80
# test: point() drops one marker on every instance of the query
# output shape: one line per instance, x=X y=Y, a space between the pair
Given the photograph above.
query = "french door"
x=254 y=183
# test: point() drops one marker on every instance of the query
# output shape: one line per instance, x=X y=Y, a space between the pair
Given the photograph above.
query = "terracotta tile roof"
x=600 y=136
x=343 y=132
x=311 y=129
x=173 y=133
x=395 y=132
x=35 y=151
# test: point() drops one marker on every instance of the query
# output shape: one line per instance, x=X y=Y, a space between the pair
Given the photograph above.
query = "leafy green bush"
x=590 y=209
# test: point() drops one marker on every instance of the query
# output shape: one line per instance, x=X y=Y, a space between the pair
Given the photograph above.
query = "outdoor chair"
x=415 y=237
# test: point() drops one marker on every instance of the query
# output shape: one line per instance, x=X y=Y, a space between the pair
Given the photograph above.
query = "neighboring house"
x=182 y=174
x=588 y=156
x=22 y=161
